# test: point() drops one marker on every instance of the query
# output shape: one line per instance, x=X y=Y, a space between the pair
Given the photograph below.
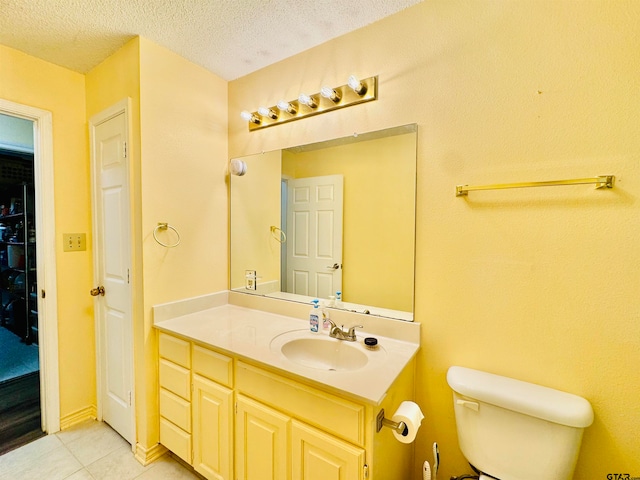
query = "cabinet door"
x=212 y=406
x=319 y=456
x=262 y=437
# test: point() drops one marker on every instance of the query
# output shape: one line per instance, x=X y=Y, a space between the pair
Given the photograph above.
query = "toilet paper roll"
x=411 y=415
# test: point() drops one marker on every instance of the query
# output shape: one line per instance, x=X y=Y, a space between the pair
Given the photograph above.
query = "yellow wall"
x=30 y=81
x=538 y=284
x=183 y=119
x=382 y=171
x=178 y=163
x=118 y=78
x=178 y=167
x=255 y=207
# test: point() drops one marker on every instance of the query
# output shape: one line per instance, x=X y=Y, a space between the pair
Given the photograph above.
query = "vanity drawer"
x=213 y=365
x=175 y=378
x=175 y=439
x=175 y=409
x=175 y=349
x=328 y=412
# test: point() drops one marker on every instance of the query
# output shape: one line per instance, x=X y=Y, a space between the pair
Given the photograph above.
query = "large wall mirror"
x=336 y=216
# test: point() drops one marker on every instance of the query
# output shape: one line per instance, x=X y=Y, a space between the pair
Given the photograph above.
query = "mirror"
x=336 y=216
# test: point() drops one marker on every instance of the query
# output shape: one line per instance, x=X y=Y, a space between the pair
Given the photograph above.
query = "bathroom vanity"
x=234 y=406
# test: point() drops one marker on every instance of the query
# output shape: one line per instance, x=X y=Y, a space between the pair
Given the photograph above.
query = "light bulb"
x=267 y=112
x=356 y=85
x=330 y=93
x=307 y=100
x=249 y=117
x=286 y=107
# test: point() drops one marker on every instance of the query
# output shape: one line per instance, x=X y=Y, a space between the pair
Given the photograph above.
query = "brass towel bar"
x=601 y=181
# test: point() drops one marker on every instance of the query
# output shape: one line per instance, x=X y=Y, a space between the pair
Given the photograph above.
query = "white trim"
x=45 y=259
x=148 y=455
x=123 y=106
x=178 y=308
x=86 y=413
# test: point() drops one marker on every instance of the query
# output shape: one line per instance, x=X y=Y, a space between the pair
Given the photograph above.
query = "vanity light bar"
x=308 y=105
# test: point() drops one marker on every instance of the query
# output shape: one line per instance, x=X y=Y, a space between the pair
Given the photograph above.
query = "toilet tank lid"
x=527 y=398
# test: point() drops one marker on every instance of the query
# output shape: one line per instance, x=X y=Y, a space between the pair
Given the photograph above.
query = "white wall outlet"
x=250 y=282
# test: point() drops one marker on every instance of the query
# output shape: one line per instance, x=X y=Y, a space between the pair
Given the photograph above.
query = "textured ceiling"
x=231 y=38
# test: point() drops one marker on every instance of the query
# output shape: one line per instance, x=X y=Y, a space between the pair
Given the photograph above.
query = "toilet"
x=514 y=430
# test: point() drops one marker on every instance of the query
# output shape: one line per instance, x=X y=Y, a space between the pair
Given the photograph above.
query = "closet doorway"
x=29 y=397
x=20 y=416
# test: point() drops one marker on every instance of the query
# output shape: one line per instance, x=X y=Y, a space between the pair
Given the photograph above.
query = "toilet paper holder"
x=399 y=427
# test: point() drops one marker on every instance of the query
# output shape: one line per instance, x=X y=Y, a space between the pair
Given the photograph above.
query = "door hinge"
x=43 y=294
x=236 y=407
x=124 y=149
x=366 y=471
x=128 y=276
x=129 y=397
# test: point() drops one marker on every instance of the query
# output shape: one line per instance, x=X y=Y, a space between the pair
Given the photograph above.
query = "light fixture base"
x=348 y=97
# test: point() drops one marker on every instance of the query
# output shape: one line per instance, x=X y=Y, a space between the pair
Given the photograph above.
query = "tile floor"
x=90 y=450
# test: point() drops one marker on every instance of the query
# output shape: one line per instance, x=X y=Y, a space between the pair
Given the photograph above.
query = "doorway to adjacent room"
x=29 y=382
x=20 y=414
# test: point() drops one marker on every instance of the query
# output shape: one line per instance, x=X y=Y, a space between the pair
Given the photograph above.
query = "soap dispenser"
x=314 y=317
x=326 y=320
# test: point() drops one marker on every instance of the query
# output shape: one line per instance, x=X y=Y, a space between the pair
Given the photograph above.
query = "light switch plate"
x=74 y=242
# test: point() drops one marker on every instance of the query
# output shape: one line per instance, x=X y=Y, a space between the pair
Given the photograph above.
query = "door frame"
x=45 y=259
x=121 y=107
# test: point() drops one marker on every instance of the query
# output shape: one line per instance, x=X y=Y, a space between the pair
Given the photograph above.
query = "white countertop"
x=247 y=334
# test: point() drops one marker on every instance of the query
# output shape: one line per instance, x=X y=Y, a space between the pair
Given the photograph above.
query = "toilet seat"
x=484 y=476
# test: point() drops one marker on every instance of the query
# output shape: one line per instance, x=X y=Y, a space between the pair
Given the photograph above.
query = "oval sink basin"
x=324 y=353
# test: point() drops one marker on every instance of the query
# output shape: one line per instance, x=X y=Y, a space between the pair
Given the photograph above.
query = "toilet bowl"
x=513 y=430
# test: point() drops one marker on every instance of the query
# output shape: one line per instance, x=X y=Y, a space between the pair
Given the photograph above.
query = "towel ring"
x=165 y=226
x=278 y=234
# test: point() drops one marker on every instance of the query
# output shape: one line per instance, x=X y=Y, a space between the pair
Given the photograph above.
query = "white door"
x=112 y=259
x=314 y=231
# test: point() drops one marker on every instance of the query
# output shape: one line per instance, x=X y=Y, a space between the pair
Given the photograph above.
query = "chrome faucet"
x=341 y=334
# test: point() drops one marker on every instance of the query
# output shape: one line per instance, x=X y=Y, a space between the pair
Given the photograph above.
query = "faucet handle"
x=352 y=330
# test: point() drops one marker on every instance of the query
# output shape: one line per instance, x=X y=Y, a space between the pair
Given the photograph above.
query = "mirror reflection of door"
x=314 y=245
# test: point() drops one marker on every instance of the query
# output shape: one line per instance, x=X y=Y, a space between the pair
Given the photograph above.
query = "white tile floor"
x=88 y=451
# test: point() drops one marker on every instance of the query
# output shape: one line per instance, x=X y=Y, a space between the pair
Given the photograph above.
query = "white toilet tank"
x=514 y=430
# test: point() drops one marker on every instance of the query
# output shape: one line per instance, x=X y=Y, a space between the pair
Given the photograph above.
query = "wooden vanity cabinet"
x=196 y=406
x=319 y=456
x=327 y=434
x=175 y=395
x=263 y=437
x=262 y=441
x=214 y=409
x=212 y=429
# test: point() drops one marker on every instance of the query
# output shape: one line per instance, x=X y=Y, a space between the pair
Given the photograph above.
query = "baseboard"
x=87 y=413
x=148 y=455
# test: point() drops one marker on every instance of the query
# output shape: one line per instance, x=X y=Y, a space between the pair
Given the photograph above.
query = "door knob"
x=97 y=291
x=335 y=266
